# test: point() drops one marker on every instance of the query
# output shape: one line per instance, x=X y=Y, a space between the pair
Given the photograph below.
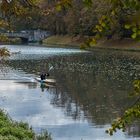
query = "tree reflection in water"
x=93 y=86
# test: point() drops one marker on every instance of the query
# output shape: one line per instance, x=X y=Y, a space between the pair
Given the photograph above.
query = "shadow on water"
x=92 y=86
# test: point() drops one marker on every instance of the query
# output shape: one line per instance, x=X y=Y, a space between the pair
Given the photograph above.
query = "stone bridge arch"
x=28 y=36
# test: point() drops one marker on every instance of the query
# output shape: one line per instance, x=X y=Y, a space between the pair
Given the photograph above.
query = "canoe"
x=46 y=85
x=50 y=81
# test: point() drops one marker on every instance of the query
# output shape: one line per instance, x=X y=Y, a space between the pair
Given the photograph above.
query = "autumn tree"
x=130 y=115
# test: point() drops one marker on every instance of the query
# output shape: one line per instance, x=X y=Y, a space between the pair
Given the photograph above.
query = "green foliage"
x=11 y=10
x=3 y=24
x=103 y=25
x=136 y=84
x=86 y=17
x=107 y=18
x=62 y=4
x=135 y=29
x=29 y=19
x=68 y=3
x=15 y=7
x=87 y=2
x=11 y=130
x=130 y=115
x=127 y=26
x=120 y=15
x=3 y=38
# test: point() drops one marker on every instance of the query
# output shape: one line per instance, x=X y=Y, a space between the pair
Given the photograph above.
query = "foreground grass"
x=11 y=130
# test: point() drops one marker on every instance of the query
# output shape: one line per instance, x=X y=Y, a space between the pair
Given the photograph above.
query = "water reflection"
x=92 y=89
x=134 y=130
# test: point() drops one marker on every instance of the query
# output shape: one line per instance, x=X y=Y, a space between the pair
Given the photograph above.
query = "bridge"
x=28 y=36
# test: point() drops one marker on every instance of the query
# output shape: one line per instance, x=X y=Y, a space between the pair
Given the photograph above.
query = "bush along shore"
x=12 y=130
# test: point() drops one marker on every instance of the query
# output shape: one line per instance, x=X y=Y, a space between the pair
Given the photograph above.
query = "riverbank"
x=115 y=44
x=118 y=44
x=64 y=41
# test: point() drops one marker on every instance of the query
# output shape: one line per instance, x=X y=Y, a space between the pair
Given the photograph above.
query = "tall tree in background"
x=115 y=17
x=122 y=14
x=12 y=10
x=106 y=18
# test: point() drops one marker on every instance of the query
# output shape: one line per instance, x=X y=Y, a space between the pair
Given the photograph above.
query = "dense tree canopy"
x=109 y=18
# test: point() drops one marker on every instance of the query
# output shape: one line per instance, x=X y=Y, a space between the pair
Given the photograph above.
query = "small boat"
x=49 y=81
x=46 y=85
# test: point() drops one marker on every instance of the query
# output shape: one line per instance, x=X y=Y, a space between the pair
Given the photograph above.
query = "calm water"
x=91 y=90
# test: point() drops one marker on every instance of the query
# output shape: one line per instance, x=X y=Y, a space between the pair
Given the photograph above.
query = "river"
x=92 y=90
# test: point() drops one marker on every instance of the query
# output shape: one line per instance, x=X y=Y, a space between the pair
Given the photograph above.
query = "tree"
x=4 y=52
x=130 y=115
x=121 y=14
x=7 y=9
x=115 y=18
x=13 y=9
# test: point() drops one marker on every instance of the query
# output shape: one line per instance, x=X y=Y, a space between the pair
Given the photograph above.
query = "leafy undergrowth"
x=11 y=130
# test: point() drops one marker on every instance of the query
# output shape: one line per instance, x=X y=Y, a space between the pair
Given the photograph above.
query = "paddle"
x=49 y=70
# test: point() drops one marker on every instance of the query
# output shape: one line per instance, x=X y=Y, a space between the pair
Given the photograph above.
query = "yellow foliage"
x=4 y=52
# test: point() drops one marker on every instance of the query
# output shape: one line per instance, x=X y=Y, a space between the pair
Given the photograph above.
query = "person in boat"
x=44 y=75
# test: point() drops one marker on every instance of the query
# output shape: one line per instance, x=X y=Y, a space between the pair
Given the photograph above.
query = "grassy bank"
x=116 y=44
x=64 y=41
x=12 y=130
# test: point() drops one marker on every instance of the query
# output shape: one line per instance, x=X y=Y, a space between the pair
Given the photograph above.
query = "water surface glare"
x=91 y=90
